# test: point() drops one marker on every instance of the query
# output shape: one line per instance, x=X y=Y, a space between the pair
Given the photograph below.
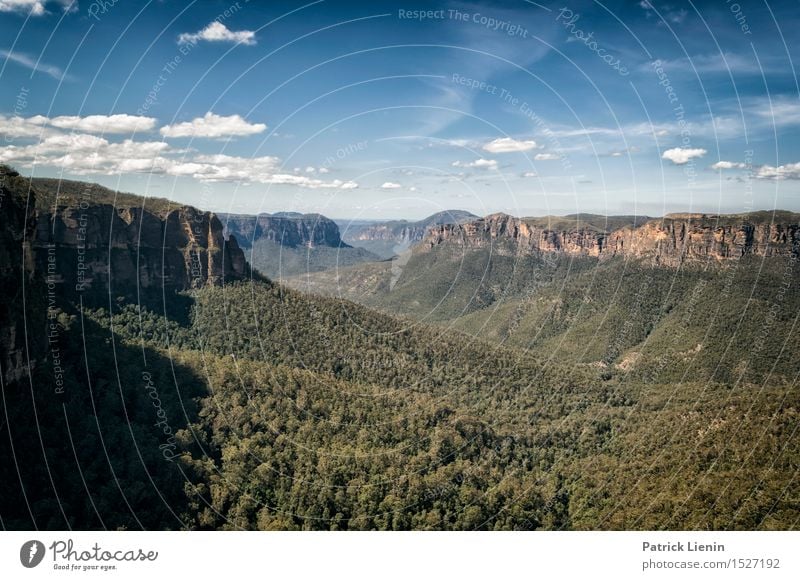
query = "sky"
x=379 y=110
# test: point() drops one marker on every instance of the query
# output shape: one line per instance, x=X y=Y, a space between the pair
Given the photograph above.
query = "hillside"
x=694 y=304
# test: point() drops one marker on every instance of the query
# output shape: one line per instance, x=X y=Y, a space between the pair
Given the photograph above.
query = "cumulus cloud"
x=218 y=32
x=213 y=126
x=40 y=126
x=728 y=165
x=781 y=172
x=13 y=127
x=81 y=153
x=477 y=164
x=265 y=170
x=390 y=185
x=546 y=157
x=509 y=145
x=98 y=123
x=528 y=174
x=682 y=155
x=32 y=7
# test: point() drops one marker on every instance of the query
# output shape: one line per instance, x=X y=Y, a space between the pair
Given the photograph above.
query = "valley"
x=509 y=375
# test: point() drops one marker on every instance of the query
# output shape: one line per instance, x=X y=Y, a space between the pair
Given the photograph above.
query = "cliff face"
x=97 y=248
x=404 y=232
x=17 y=226
x=670 y=241
x=292 y=230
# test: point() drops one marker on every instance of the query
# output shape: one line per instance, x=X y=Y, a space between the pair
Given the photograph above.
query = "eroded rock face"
x=407 y=233
x=17 y=226
x=95 y=250
x=668 y=241
x=98 y=248
x=675 y=240
x=301 y=230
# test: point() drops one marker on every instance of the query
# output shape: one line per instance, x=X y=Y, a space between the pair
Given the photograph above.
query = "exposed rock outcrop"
x=291 y=230
x=97 y=248
x=671 y=240
x=17 y=226
x=404 y=232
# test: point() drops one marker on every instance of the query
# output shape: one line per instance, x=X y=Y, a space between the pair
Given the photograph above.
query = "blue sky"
x=395 y=109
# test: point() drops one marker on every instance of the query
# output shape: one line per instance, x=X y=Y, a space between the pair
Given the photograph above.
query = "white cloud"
x=250 y=169
x=34 y=64
x=546 y=157
x=781 y=172
x=390 y=185
x=99 y=123
x=324 y=170
x=32 y=7
x=218 y=32
x=728 y=165
x=13 y=127
x=40 y=126
x=81 y=153
x=477 y=164
x=529 y=174
x=213 y=126
x=681 y=155
x=509 y=145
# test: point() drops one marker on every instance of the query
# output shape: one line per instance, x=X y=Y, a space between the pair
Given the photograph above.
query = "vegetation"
x=50 y=191
x=278 y=262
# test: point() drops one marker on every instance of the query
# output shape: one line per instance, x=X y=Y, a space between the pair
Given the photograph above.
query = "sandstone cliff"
x=405 y=232
x=291 y=230
x=670 y=241
x=17 y=227
x=97 y=248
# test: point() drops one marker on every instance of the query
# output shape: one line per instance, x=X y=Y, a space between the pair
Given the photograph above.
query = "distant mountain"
x=289 y=229
x=290 y=243
x=390 y=238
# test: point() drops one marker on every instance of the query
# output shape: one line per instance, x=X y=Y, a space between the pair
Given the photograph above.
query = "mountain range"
x=505 y=374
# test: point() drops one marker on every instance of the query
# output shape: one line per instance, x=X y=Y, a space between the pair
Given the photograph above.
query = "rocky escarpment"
x=100 y=249
x=387 y=238
x=290 y=230
x=670 y=241
x=17 y=226
x=405 y=232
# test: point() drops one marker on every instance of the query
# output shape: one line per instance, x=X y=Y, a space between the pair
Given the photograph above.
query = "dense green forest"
x=296 y=412
x=726 y=322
